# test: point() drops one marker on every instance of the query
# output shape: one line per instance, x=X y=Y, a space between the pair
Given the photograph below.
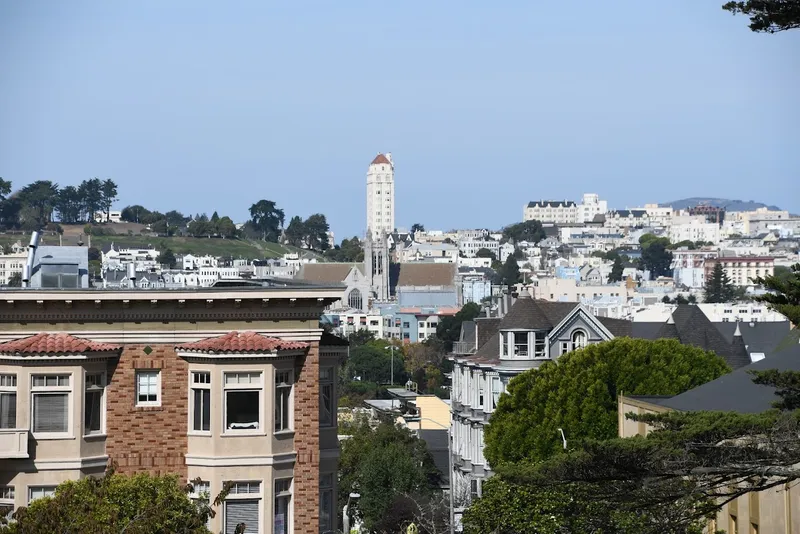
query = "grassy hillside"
x=179 y=245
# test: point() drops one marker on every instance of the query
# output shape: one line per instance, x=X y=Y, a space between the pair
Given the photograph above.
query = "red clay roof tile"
x=242 y=342
x=61 y=343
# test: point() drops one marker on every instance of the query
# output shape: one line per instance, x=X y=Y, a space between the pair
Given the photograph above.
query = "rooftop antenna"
x=27 y=269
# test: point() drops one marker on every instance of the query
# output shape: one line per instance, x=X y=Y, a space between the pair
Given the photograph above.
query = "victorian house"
x=218 y=384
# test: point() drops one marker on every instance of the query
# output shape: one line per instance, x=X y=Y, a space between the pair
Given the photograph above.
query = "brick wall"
x=148 y=438
x=306 y=443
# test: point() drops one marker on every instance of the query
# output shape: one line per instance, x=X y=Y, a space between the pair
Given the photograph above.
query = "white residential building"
x=590 y=206
x=688 y=266
x=112 y=216
x=468 y=247
x=658 y=215
x=740 y=221
x=746 y=312
x=569 y=290
x=380 y=195
x=554 y=211
x=693 y=228
x=118 y=257
x=741 y=270
x=10 y=264
x=433 y=252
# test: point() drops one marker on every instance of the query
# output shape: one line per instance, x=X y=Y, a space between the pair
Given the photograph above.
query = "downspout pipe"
x=27 y=269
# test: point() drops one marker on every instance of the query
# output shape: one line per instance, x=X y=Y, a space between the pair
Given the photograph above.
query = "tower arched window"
x=354 y=299
x=579 y=339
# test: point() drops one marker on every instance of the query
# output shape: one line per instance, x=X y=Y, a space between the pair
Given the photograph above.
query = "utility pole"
x=391 y=347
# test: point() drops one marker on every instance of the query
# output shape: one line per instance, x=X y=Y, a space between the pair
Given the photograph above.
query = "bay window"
x=283 y=401
x=94 y=403
x=201 y=401
x=242 y=505
x=8 y=401
x=242 y=394
x=51 y=413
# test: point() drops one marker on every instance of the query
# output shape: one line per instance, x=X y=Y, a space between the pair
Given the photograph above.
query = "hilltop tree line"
x=42 y=202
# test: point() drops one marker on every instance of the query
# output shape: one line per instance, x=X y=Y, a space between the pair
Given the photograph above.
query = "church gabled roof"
x=380 y=159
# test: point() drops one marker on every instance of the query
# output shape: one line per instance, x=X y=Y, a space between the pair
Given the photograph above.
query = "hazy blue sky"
x=202 y=106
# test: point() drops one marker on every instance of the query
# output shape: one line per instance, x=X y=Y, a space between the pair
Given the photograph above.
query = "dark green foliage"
x=449 y=328
x=509 y=273
x=719 y=287
x=769 y=16
x=15 y=280
x=137 y=504
x=655 y=256
x=578 y=393
x=784 y=296
x=360 y=337
x=134 y=213
x=417 y=227
x=616 y=270
x=383 y=464
x=295 y=232
x=372 y=362
x=530 y=231
x=40 y=198
x=316 y=232
x=350 y=251
x=267 y=219
x=167 y=257
x=485 y=253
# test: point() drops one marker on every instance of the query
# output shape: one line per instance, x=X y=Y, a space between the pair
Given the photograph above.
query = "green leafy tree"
x=9 y=206
x=372 y=362
x=578 y=393
x=784 y=293
x=719 y=287
x=530 y=231
x=15 y=280
x=91 y=192
x=417 y=227
x=769 y=16
x=69 y=205
x=384 y=465
x=655 y=256
x=226 y=228
x=295 y=232
x=360 y=337
x=200 y=226
x=267 y=219
x=449 y=328
x=509 y=274
x=616 y=270
x=691 y=299
x=40 y=199
x=316 y=232
x=5 y=189
x=134 y=213
x=108 y=191
x=485 y=253
x=680 y=299
x=140 y=504
x=160 y=227
x=167 y=257
x=665 y=299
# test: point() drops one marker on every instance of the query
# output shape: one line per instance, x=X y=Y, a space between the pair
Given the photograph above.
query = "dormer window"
x=579 y=340
x=520 y=344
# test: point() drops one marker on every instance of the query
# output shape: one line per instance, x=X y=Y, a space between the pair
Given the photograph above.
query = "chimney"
x=27 y=269
x=132 y=275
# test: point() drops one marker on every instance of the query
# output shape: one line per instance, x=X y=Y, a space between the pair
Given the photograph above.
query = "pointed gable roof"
x=60 y=343
x=241 y=342
x=381 y=159
x=530 y=314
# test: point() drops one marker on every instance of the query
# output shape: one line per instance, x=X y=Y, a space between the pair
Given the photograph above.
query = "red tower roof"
x=381 y=159
x=242 y=342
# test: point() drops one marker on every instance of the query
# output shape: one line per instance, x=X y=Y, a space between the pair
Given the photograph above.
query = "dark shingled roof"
x=617 y=327
x=736 y=392
x=326 y=272
x=530 y=314
x=759 y=337
x=490 y=351
x=689 y=325
x=468 y=330
x=331 y=340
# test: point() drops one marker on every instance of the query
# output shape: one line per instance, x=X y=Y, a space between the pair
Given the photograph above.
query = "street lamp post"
x=391 y=380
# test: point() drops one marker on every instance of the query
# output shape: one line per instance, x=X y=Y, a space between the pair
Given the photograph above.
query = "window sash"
x=37 y=492
x=147 y=387
x=235 y=425
x=8 y=409
x=50 y=413
x=326 y=510
x=93 y=412
x=283 y=499
x=326 y=404
x=201 y=409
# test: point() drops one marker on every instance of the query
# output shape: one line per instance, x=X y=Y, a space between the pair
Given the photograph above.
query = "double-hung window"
x=243 y=401
x=94 y=403
x=51 y=396
x=283 y=505
x=148 y=388
x=326 y=396
x=201 y=401
x=497 y=389
x=283 y=401
x=242 y=507
x=7 y=501
x=326 y=502
x=8 y=401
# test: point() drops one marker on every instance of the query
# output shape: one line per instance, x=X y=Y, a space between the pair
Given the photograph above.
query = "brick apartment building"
x=222 y=384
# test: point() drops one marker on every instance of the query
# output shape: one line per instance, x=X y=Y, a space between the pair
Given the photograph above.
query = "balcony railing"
x=463 y=347
x=14 y=443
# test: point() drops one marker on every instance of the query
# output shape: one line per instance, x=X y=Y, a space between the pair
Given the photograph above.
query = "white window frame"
x=45 y=390
x=578 y=345
x=205 y=386
x=279 y=389
x=495 y=386
x=243 y=386
x=156 y=402
x=91 y=389
x=280 y=493
x=246 y=490
x=327 y=379
x=8 y=386
x=47 y=491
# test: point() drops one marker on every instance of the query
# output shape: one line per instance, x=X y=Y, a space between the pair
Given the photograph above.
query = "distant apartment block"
x=693 y=228
x=469 y=246
x=742 y=269
x=553 y=211
x=590 y=207
x=106 y=217
x=380 y=195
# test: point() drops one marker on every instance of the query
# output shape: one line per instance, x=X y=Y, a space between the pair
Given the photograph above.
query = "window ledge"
x=241 y=433
x=95 y=437
x=52 y=437
x=200 y=433
x=283 y=433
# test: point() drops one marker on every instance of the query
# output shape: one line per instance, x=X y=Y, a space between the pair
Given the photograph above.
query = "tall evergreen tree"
x=616 y=270
x=719 y=287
